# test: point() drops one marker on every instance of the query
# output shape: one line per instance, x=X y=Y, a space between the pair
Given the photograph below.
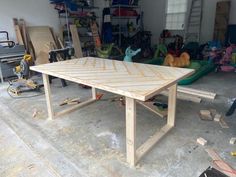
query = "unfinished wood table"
x=137 y=82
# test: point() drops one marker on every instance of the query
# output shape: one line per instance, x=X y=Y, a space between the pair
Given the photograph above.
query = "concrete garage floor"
x=91 y=141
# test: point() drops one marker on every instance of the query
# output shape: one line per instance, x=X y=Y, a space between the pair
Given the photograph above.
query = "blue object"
x=215 y=43
x=230 y=35
x=129 y=53
x=106 y=26
x=122 y=2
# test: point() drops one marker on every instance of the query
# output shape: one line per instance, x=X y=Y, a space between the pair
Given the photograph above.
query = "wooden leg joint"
x=133 y=155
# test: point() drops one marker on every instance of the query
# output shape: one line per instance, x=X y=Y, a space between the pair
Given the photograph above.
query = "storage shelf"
x=88 y=7
x=124 y=17
x=73 y=17
x=124 y=6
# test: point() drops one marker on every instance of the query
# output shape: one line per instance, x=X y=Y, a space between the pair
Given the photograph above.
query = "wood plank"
x=94 y=96
x=18 y=35
x=172 y=105
x=183 y=96
x=195 y=92
x=130 y=131
x=76 y=41
x=73 y=108
x=24 y=34
x=148 y=145
x=151 y=107
x=47 y=91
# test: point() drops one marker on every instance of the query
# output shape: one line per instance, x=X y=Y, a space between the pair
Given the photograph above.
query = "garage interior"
x=118 y=88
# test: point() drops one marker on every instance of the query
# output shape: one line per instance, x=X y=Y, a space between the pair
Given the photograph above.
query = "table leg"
x=94 y=93
x=131 y=131
x=1 y=74
x=47 y=91
x=172 y=105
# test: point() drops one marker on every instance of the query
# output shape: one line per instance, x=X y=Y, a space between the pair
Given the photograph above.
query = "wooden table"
x=137 y=82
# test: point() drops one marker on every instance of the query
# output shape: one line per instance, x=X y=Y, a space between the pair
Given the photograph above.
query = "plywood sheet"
x=134 y=80
x=41 y=37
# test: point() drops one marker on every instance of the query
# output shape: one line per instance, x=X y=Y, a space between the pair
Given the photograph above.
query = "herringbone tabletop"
x=138 y=81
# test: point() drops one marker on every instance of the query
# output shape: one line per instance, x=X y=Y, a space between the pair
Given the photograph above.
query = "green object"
x=201 y=68
x=105 y=51
x=204 y=69
x=155 y=61
x=161 y=51
x=233 y=58
x=192 y=49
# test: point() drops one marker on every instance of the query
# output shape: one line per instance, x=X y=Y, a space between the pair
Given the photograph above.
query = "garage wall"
x=34 y=12
x=232 y=19
x=40 y=12
x=154 y=17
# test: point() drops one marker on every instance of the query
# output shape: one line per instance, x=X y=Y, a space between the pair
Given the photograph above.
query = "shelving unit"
x=68 y=17
x=122 y=21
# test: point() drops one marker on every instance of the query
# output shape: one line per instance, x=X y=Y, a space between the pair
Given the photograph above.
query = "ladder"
x=193 y=28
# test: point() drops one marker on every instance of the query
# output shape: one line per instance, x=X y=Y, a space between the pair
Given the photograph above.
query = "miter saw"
x=23 y=83
x=22 y=70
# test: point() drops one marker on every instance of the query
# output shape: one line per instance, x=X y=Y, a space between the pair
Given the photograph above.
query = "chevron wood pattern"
x=134 y=80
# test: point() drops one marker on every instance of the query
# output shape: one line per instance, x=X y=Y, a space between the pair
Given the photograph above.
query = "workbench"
x=137 y=82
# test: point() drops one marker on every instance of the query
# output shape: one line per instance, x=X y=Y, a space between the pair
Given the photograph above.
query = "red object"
x=99 y=96
x=125 y=12
x=227 y=68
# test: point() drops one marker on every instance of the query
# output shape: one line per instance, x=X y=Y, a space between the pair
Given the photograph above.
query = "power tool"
x=23 y=83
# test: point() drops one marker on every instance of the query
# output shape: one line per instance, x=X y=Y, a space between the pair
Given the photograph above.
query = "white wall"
x=34 y=12
x=40 y=12
x=154 y=17
x=232 y=19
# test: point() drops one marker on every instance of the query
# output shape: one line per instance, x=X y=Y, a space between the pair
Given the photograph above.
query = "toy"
x=227 y=58
x=182 y=61
x=104 y=51
x=175 y=47
x=161 y=51
x=129 y=53
x=226 y=63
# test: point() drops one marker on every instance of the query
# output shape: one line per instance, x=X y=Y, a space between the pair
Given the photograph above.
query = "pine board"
x=134 y=80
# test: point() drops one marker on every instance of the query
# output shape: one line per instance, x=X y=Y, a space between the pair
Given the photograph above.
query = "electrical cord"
x=16 y=97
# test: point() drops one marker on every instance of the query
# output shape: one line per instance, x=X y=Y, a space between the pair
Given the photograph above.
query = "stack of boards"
x=38 y=40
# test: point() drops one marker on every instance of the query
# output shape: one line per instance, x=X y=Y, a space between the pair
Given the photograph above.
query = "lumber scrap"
x=19 y=37
x=41 y=37
x=76 y=41
x=198 y=93
x=232 y=140
x=201 y=141
x=24 y=34
x=185 y=97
